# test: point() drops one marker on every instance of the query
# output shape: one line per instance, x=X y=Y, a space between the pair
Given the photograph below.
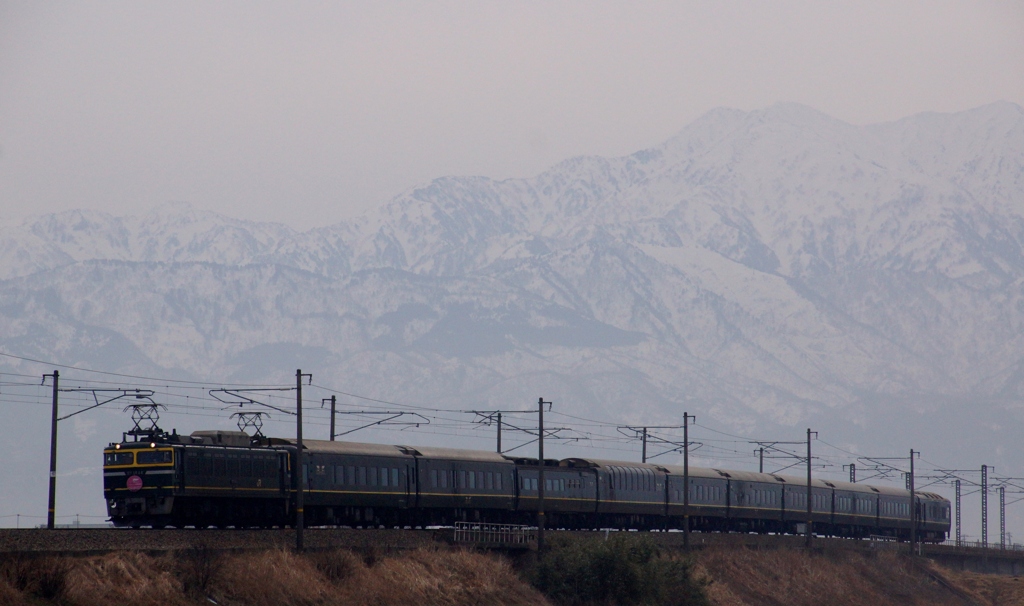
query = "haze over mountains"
x=768 y=270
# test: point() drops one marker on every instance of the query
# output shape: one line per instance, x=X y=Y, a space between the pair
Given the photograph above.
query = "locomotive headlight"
x=117 y=447
x=152 y=444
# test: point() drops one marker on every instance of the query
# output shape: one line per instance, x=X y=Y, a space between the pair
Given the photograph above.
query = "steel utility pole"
x=956 y=484
x=499 y=433
x=334 y=405
x=760 y=459
x=51 y=508
x=984 y=505
x=1002 y=517
x=299 y=468
x=686 y=478
x=643 y=456
x=810 y=494
x=540 y=474
x=913 y=506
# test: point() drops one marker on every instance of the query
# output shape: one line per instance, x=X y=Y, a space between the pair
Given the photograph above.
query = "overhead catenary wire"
x=441 y=417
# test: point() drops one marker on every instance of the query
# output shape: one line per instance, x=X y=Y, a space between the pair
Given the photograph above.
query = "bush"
x=198 y=567
x=336 y=565
x=45 y=578
x=627 y=569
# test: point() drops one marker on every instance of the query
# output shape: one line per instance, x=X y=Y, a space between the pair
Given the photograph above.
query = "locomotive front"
x=139 y=481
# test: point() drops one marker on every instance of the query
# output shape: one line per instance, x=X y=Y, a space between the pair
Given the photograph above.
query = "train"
x=228 y=479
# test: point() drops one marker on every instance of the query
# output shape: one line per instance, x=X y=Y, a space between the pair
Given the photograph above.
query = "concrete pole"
x=51 y=509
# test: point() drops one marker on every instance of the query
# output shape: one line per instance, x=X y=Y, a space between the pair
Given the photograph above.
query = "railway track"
x=93 y=541
x=103 y=540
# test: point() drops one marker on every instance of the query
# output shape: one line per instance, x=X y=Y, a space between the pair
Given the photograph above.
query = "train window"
x=433 y=478
x=383 y=476
x=394 y=476
x=154 y=456
x=350 y=475
x=490 y=480
x=118 y=458
x=373 y=476
x=497 y=481
x=480 y=479
x=362 y=476
x=472 y=480
x=339 y=474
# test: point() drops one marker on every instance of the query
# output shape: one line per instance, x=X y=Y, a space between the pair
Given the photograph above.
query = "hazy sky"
x=305 y=113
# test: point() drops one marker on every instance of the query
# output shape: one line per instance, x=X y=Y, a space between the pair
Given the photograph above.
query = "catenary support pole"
x=334 y=405
x=299 y=466
x=643 y=456
x=956 y=485
x=686 y=478
x=1002 y=517
x=810 y=495
x=984 y=505
x=853 y=473
x=51 y=508
x=499 y=433
x=541 y=522
x=760 y=459
x=913 y=507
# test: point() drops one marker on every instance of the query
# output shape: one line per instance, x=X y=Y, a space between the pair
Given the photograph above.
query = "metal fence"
x=497 y=535
x=979 y=545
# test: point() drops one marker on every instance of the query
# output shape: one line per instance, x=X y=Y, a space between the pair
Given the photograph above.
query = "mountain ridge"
x=775 y=255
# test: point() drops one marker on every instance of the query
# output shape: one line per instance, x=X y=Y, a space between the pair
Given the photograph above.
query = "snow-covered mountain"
x=768 y=269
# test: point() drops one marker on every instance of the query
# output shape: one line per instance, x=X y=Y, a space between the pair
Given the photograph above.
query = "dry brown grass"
x=422 y=577
x=989 y=589
x=845 y=578
x=442 y=578
x=270 y=578
x=123 y=578
x=429 y=577
x=9 y=596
